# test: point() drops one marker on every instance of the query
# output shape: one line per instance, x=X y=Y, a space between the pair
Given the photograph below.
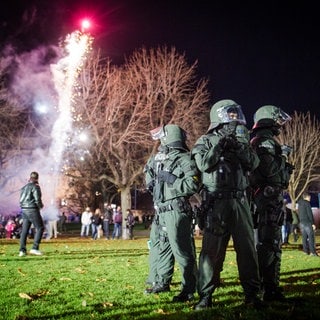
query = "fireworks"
x=65 y=74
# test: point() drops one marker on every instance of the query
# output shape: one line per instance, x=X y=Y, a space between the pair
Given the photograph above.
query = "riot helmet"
x=170 y=135
x=269 y=116
x=226 y=111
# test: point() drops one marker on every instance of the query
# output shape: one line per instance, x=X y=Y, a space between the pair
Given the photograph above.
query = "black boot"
x=157 y=288
x=275 y=295
x=183 y=296
x=254 y=301
x=204 y=303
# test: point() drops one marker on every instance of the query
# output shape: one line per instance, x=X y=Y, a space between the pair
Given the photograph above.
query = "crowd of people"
x=100 y=222
x=11 y=226
x=95 y=225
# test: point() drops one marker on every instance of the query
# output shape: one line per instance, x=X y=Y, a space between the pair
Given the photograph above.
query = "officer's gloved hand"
x=289 y=167
x=286 y=150
x=229 y=142
x=167 y=177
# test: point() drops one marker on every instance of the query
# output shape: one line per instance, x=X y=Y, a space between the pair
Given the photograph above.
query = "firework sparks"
x=65 y=73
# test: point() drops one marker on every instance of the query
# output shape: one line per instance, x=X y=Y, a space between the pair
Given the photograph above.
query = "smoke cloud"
x=41 y=81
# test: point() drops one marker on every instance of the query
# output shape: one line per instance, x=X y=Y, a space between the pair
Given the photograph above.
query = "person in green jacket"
x=224 y=157
x=172 y=178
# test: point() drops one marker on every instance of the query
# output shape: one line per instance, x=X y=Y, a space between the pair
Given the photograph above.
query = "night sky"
x=263 y=53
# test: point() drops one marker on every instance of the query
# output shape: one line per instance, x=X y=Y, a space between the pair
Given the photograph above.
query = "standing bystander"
x=10 y=226
x=53 y=225
x=117 y=219
x=62 y=223
x=95 y=223
x=130 y=223
x=295 y=224
x=287 y=222
x=107 y=220
x=307 y=225
x=85 y=222
x=31 y=203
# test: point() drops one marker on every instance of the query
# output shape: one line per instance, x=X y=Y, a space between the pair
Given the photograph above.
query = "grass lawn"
x=105 y=279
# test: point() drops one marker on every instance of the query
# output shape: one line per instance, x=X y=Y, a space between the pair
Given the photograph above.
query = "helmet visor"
x=283 y=118
x=158 y=133
x=231 y=113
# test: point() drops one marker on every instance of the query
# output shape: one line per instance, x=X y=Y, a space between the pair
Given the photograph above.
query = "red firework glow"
x=85 y=25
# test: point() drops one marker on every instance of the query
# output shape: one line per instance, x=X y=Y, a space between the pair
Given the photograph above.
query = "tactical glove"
x=229 y=142
x=167 y=177
x=289 y=167
x=286 y=150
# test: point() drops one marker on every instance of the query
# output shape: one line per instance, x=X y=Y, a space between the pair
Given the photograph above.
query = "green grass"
x=85 y=279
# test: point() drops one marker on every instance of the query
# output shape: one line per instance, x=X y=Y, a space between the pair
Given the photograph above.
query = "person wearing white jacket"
x=85 y=222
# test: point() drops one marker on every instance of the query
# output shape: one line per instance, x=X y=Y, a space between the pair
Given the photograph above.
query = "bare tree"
x=118 y=106
x=13 y=122
x=302 y=134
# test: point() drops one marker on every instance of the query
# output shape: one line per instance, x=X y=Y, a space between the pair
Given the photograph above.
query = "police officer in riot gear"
x=224 y=157
x=173 y=177
x=268 y=182
x=158 y=247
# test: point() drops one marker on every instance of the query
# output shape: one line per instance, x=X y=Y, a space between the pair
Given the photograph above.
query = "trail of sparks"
x=65 y=73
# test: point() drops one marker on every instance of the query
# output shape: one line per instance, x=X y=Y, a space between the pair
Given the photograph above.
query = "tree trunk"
x=125 y=205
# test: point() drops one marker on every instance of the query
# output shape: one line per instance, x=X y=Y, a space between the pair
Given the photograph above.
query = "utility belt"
x=181 y=205
x=211 y=196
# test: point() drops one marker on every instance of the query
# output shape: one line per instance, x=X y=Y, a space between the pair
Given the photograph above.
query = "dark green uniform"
x=268 y=182
x=164 y=266
x=173 y=177
x=224 y=161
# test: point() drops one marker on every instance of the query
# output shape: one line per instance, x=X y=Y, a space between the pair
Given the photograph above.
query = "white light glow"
x=83 y=137
x=41 y=108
